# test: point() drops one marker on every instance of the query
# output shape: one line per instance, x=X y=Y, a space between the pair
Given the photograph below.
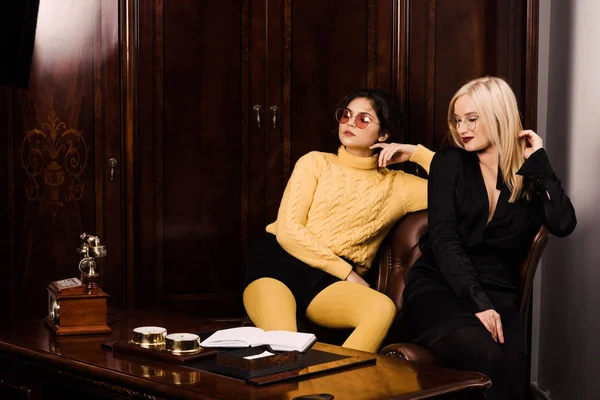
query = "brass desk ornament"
x=149 y=336
x=182 y=343
x=77 y=307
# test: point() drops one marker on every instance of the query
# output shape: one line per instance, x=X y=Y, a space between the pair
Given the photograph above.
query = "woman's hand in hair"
x=356 y=278
x=532 y=142
x=393 y=153
x=491 y=320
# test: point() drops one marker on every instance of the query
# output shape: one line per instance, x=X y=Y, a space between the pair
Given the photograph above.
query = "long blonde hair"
x=496 y=105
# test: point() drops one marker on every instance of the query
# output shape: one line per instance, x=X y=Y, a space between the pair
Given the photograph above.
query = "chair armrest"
x=410 y=352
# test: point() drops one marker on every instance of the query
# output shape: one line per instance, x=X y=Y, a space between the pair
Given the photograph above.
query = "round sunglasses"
x=362 y=120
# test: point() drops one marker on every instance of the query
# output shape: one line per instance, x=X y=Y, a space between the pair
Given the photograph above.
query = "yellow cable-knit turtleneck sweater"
x=341 y=207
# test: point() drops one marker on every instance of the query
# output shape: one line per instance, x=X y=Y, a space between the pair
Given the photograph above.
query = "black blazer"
x=465 y=251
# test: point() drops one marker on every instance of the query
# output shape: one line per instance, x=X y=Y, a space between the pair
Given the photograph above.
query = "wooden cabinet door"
x=319 y=51
x=200 y=71
x=335 y=48
x=454 y=41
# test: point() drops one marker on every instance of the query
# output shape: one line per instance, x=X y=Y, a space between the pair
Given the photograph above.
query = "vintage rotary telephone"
x=76 y=306
x=90 y=249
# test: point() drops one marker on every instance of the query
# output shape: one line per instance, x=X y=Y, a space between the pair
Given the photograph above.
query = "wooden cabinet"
x=231 y=94
x=169 y=90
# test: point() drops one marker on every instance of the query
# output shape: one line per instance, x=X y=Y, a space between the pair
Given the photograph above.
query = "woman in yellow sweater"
x=334 y=214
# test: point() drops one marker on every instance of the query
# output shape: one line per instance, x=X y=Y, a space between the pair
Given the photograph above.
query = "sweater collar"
x=353 y=161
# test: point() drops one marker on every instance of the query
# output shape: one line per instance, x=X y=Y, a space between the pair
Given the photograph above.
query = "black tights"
x=474 y=349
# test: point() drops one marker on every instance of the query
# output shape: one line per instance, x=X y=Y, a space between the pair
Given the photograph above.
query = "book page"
x=286 y=341
x=235 y=337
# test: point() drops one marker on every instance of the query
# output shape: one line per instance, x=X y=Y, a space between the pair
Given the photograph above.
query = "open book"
x=249 y=336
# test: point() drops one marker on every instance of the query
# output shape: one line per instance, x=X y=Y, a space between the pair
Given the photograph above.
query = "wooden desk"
x=36 y=364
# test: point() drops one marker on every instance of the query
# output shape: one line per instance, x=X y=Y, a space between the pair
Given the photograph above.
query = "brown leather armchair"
x=398 y=253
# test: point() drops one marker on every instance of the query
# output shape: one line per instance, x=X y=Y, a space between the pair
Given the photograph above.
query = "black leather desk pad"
x=310 y=363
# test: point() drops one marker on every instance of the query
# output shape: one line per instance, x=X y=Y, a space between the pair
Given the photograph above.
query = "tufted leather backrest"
x=398 y=253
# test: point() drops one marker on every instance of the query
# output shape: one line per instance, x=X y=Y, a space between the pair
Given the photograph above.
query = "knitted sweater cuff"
x=340 y=270
x=422 y=156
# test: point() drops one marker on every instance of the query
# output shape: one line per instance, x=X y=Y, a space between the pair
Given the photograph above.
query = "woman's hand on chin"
x=393 y=153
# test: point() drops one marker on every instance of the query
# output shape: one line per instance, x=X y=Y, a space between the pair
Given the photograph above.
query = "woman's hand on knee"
x=356 y=278
x=493 y=323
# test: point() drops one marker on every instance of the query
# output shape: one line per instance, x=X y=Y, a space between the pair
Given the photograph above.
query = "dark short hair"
x=385 y=107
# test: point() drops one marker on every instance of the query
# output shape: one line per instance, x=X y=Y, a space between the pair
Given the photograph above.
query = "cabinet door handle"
x=113 y=163
x=256 y=109
x=274 y=110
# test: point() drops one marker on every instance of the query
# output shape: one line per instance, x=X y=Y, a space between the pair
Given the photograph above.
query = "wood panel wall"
x=168 y=89
x=59 y=135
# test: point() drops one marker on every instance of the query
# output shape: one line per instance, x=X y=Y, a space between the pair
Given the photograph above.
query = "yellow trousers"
x=271 y=306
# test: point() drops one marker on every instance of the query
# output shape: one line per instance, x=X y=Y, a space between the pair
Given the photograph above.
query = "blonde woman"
x=487 y=197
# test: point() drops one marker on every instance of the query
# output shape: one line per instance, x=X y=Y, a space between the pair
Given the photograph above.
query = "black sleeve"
x=559 y=214
x=449 y=252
